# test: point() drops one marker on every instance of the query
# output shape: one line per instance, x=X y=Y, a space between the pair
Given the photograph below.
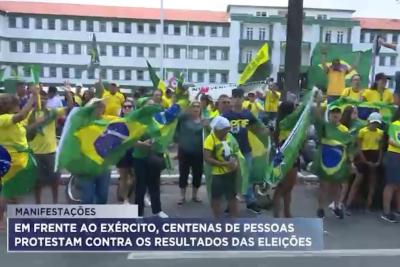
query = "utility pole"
x=162 y=39
x=294 y=35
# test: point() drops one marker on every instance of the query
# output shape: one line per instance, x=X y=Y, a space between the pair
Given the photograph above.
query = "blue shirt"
x=239 y=123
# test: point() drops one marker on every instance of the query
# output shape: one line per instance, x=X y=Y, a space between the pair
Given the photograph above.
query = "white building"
x=209 y=47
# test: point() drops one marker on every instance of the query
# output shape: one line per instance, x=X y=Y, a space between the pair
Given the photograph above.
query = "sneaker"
x=162 y=215
x=147 y=202
x=332 y=206
x=320 y=213
x=253 y=207
x=338 y=212
x=347 y=211
x=389 y=217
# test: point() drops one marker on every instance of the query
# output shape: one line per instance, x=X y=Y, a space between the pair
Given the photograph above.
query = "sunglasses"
x=128 y=106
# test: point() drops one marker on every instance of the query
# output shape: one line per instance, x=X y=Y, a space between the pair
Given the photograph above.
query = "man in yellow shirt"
x=113 y=99
x=354 y=92
x=252 y=105
x=272 y=98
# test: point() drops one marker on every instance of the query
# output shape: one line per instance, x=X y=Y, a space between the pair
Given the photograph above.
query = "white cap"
x=220 y=123
x=79 y=85
x=375 y=117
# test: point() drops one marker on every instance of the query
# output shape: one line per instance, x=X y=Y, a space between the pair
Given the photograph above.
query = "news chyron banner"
x=94 y=228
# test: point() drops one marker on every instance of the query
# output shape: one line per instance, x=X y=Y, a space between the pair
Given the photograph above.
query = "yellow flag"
x=262 y=57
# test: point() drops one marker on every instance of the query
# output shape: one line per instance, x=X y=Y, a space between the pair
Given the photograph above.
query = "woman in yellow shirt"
x=378 y=92
x=354 y=92
x=13 y=133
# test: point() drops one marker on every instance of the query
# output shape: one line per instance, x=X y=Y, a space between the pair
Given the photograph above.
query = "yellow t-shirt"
x=214 y=145
x=370 y=140
x=272 y=101
x=12 y=133
x=392 y=148
x=336 y=82
x=372 y=95
x=254 y=108
x=46 y=142
x=78 y=100
x=342 y=128
x=166 y=102
x=113 y=103
x=351 y=94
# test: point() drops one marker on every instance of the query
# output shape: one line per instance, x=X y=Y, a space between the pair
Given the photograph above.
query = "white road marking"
x=157 y=255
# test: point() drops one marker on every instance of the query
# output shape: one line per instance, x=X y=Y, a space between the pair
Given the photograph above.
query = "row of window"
x=261 y=34
x=339 y=37
x=372 y=35
x=387 y=60
x=117 y=27
x=119 y=50
x=116 y=74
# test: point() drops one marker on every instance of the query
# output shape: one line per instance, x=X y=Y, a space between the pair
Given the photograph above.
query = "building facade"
x=208 y=47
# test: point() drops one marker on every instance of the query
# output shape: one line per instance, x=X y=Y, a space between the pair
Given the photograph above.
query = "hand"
x=40 y=119
x=232 y=165
x=67 y=86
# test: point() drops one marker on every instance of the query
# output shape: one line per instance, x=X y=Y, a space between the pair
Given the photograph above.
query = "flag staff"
x=162 y=39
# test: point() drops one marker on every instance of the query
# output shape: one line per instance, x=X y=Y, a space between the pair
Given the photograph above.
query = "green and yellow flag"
x=257 y=69
x=17 y=170
x=157 y=82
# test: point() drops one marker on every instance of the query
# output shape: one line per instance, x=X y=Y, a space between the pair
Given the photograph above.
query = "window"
x=90 y=74
x=103 y=26
x=225 y=31
x=249 y=33
x=115 y=26
x=190 y=30
x=224 y=54
x=190 y=53
x=38 y=24
x=115 y=50
x=339 y=39
x=26 y=48
x=177 y=30
x=53 y=72
x=371 y=37
x=201 y=53
x=261 y=34
x=41 y=75
x=152 y=51
x=258 y=14
x=202 y=31
x=249 y=56
x=103 y=73
x=362 y=37
x=139 y=75
x=128 y=51
x=382 y=60
x=39 y=47
x=89 y=26
x=140 y=28
x=394 y=38
x=200 y=77
x=152 y=29
x=64 y=49
x=77 y=25
x=115 y=74
x=78 y=73
x=65 y=72
x=77 y=49
x=392 y=60
x=128 y=75
x=322 y=16
x=166 y=31
x=25 y=23
x=140 y=51
x=12 y=22
x=214 y=31
x=128 y=27
x=224 y=77
x=189 y=77
x=103 y=50
x=64 y=25
x=27 y=71
x=52 y=48
x=51 y=24
x=212 y=77
x=263 y=14
x=13 y=46
x=328 y=36
x=213 y=54
x=177 y=52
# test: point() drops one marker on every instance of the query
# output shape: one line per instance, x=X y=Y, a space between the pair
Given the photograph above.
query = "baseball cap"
x=237 y=92
x=375 y=117
x=334 y=108
x=79 y=85
x=380 y=76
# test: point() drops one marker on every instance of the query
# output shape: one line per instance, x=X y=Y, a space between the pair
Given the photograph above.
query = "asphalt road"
x=359 y=240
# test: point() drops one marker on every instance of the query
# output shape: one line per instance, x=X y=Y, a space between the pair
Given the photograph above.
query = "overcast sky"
x=364 y=8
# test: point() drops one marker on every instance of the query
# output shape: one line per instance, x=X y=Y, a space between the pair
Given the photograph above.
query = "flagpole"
x=162 y=39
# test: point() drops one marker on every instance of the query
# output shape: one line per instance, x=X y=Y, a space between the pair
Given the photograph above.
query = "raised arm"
x=24 y=112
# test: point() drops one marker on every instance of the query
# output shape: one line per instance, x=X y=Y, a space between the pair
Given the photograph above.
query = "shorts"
x=370 y=156
x=45 y=168
x=126 y=161
x=223 y=185
x=391 y=163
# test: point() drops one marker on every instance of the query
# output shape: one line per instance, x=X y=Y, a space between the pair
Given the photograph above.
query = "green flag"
x=394 y=132
x=157 y=82
x=94 y=54
x=258 y=68
x=316 y=75
x=34 y=73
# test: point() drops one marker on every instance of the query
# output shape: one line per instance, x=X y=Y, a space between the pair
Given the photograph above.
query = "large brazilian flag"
x=17 y=170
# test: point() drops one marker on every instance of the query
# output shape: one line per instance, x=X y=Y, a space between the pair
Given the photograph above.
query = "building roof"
x=285 y=7
x=379 y=24
x=63 y=9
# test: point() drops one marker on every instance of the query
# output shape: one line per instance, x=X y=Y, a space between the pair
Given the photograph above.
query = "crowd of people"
x=213 y=132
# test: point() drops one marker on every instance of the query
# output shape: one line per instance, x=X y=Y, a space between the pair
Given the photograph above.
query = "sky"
x=364 y=8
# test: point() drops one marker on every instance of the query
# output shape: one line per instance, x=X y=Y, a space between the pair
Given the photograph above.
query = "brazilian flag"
x=88 y=146
x=157 y=82
x=394 y=132
x=17 y=170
